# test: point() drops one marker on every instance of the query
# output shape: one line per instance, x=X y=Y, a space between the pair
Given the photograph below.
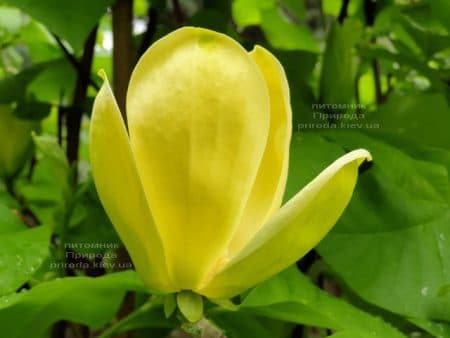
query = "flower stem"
x=118 y=327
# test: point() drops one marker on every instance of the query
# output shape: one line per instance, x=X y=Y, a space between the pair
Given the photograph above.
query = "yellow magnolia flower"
x=195 y=189
x=16 y=143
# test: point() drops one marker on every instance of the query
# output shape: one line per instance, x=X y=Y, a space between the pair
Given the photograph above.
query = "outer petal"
x=198 y=114
x=295 y=229
x=120 y=191
x=268 y=190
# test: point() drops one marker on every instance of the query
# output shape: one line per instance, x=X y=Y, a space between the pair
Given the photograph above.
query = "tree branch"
x=123 y=56
x=178 y=12
x=72 y=59
x=149 y=34
x=76 y=110
x=369 y=14
x=343 y=13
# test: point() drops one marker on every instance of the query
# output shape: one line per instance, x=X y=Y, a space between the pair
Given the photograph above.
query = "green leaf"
x=11 y=20
x=284 y=34
x=438 y=330
x=54 y=84
x=48 y=192
x=50 y=149
x=408 y=61
x=428 y=42
x=244 y=325
x=299 y=66
x=33 y=110
x=248 y=12
x=281 y=21
x=290 y=296
x=49 y=81
x=9 y=220
x=190 y=305
x=89 y=301
x=351 y=334
x=391 y=244
x=424 y=117
x=21 y=254
x=13 y=88
x=337 y=79
x=40 y=45
x=88 y=211
x=441 y=10
x=72 y=20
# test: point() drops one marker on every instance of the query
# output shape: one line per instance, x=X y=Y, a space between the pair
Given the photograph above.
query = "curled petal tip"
x=102 y=74
x=363 y=154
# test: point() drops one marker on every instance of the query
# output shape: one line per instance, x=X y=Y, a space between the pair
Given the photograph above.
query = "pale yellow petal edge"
x=294 y=230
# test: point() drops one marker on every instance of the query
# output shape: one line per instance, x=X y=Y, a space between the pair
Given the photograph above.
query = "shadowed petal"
x=120 y=191
x=268 y=190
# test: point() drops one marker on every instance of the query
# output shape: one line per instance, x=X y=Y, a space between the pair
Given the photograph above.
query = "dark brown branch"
x=178 y=12
x=123 y=62
x=76 y=110
x=369 y=14
x=343 y=13
x=72 y=59
x=149 y=34
x=123 y=56
x=377 y=80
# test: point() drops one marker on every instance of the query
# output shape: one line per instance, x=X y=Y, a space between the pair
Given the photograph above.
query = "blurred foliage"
x=362 y=73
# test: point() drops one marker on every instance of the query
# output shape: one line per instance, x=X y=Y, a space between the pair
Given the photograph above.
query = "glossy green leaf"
x=424 y=117
x=9 y=220
x=245 y=325
x=299 y=66
x=290 y=296
x=397 y=224
x=405 y=60
x=40 y=45
x=13 y=88
x=281 y=21
x=89 y=301
x=48 y=192
x=88 y=211
x=438 y=330
x=11 y=21
x=441 y=9
x=283 y=33
x=21 y=254
x=54 y=84
x=248 y=12
x=428 y=42
x=339 y=64
x=71 y=20
x=16 y=146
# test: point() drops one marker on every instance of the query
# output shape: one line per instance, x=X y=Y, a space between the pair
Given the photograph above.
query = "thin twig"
x=123 y=55
x=369 y=14
x=72 y=59
x=76 y=110
x=149 y=33
x=178 y=12
x=343 y=13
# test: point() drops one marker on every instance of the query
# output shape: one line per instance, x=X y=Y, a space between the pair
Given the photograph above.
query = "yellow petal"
x=268 y=190
x=294 y=230
x=121 y=193
x=198 y=113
